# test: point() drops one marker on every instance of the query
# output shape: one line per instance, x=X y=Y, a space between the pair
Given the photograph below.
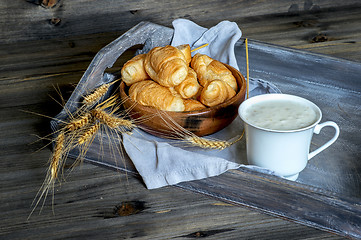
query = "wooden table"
x=97 y=203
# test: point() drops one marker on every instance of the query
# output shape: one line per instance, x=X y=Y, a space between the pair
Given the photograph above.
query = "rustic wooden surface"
x=45 y=46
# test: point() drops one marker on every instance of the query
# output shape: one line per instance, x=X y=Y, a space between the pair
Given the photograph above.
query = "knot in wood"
x=55 y=21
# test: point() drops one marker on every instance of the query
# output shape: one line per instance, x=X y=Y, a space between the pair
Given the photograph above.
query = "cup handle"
x=327 y=144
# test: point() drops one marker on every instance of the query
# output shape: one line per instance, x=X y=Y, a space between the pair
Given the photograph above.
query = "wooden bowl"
x=201 y=122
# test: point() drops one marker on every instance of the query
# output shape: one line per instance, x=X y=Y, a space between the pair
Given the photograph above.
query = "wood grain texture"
x=37 y=55
x=87 y=209
x=23 y=21
x=302 y=205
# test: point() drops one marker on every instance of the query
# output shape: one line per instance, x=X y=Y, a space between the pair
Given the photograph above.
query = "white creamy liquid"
x=280 y=115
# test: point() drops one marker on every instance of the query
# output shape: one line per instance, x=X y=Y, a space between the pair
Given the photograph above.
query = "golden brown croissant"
x=166 y=65
x=186 y=50
x=150 y=93
x=190 y=86
x=208 y=69
x=133 y=70
x=192 y=105
x=216 y=92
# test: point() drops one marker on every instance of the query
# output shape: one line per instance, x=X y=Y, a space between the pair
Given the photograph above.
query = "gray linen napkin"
x=220 y=39
x=159 y=163
x=162 y=162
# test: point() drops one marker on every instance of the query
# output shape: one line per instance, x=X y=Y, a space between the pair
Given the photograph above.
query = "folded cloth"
x=220 y=39
x=162 y=162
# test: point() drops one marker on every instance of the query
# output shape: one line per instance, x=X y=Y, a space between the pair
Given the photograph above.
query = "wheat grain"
x=207 y=143
x=57 y=156
x=78 y=123
x=96 y=95
x=111 y=120
x=89 y=133
x=212 y=144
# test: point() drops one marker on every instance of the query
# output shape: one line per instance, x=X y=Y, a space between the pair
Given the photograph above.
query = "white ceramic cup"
x=285 y=152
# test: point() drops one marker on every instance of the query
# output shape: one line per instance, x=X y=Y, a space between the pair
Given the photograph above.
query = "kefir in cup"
x=279 y=129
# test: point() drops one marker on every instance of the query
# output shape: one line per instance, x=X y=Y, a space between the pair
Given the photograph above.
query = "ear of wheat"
x=95 y=96
x=207 y=143
x=111 y=120
x=56 y=163
x=79 y=122
x=88 y=135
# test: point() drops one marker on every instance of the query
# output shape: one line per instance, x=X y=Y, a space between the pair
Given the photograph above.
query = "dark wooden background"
x=49 y=44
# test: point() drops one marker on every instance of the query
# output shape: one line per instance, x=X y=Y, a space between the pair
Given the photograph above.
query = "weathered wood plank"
x=84 y=208
x=302 y=204
x=24 y=21
x=63 y=61
x=58 y=63
x=334 y=32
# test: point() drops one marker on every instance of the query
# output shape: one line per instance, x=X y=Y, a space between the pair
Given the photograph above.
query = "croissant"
x=166 y=65
x=150 y=93
x=192 y=105
x=216 y=92
x=186 y=50
x=208 y=69
x=174 y=92
x=190 y=86
x=133 y=70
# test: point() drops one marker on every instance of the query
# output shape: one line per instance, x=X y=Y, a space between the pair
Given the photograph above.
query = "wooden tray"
x=327 y=194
